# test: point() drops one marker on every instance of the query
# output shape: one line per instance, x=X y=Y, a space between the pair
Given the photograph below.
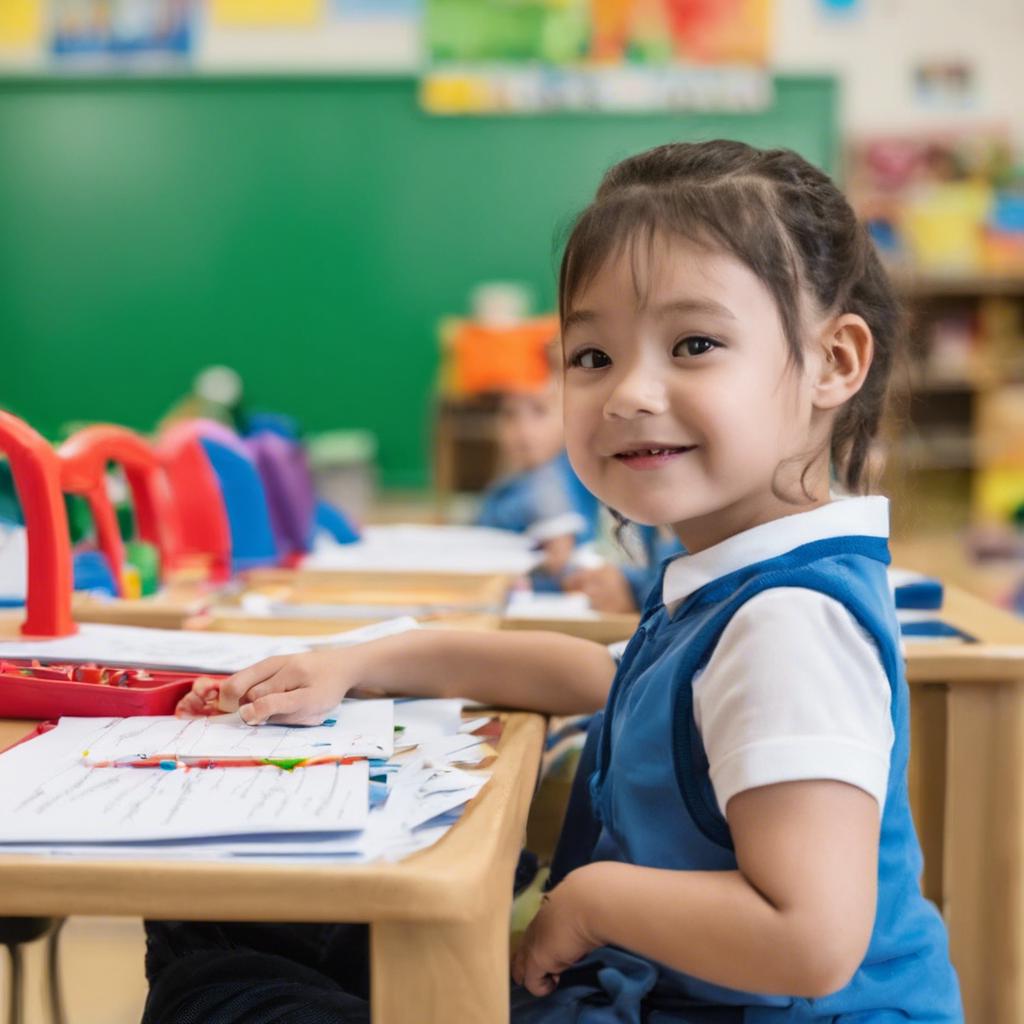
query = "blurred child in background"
x=539 y=494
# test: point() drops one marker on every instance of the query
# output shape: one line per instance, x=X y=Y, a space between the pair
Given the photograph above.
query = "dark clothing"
x=210 y=973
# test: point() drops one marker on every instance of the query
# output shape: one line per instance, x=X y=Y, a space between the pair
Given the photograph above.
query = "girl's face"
x=682 y=405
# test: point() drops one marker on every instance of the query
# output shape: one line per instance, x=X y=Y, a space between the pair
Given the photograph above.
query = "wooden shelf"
x=931 y=285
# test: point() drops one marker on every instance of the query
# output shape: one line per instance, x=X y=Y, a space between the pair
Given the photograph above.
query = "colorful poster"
x=115 y=28
x=599 y=31
x=20 y=24
x=489 y=56
x=266 y=13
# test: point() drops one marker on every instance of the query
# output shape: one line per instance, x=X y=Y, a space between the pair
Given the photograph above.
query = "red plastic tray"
x=29 y=689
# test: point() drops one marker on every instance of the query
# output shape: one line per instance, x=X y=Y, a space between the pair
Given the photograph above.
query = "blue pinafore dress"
x=652 y=804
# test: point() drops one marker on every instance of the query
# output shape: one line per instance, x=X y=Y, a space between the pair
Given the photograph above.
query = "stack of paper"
x=362 y=728
x=189 y=651
x=61 y=794
x=415 y=548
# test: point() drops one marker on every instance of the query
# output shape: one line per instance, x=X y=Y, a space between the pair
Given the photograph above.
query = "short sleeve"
x=795 y=690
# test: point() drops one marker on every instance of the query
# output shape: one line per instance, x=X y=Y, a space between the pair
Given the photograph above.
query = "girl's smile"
x=651 y=455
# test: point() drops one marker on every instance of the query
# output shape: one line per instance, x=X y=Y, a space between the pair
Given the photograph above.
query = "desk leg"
x=983 y=866
x=441 y=973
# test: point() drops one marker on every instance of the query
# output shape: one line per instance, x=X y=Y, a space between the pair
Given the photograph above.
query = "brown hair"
x=786 y=221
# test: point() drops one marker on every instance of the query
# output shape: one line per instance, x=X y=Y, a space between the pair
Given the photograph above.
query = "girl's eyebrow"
x=708 y=306
x=577 y=317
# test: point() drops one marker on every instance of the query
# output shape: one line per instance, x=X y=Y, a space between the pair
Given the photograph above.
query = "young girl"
x=728 y=336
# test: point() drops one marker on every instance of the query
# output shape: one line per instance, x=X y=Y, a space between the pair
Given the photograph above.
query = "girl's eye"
x=695 y=346
x=590 y=359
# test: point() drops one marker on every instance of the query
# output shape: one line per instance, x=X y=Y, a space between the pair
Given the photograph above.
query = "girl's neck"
x=711 y=529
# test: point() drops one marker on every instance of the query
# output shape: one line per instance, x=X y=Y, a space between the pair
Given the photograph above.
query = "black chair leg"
x=14 y=933
x=16 y=986
x=53 y=974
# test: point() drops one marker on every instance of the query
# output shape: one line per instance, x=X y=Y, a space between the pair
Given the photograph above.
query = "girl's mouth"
x=651 y=458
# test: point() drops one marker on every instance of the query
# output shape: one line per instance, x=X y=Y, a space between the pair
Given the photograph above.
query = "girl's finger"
x=289 y=707
x=277 y=683
x=232 y=689
x=191 y=705
x=536 y=979
x=206 y=687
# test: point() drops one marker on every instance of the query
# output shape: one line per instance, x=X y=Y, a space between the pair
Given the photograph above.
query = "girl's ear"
x=848 y=348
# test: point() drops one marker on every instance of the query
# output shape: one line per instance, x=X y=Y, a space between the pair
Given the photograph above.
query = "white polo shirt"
x=795 y=688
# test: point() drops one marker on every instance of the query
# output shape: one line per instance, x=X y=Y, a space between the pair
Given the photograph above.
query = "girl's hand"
x=296 y=689
x=558 y=936
x=201 y=700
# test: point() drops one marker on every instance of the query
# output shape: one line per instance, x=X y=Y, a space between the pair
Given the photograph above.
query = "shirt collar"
x=842 y=517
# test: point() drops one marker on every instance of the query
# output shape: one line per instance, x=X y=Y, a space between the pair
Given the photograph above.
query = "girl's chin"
x=647 y=516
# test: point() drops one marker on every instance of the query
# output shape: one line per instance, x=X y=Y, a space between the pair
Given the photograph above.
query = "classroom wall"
x=874 y=48
x=309 y=232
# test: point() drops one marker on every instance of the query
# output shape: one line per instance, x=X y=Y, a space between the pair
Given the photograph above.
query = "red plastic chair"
x=84 y=458
x=37 y=477
x=197 y=498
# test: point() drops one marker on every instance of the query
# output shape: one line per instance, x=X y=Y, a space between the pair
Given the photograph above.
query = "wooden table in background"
x=966 y=780
x=966 y=783
x=439 y=920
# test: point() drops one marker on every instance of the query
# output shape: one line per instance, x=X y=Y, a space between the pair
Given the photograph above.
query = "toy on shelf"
x=942 y=202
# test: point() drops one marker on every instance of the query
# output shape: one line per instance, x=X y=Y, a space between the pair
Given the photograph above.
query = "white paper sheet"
x=418 y=795
x=47 y=795
x=187 y=650
x=525 y=604
x=417 y=721
x=362 y=728
x=466 y=549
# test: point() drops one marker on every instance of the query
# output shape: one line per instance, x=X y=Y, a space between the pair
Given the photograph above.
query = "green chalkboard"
x=309 y=232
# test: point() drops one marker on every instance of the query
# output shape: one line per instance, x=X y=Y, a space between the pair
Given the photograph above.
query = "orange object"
x=511 y=358
x=84 y=457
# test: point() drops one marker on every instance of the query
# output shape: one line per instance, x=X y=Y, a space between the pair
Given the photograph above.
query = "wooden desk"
x=966 y=782
x=439 y=920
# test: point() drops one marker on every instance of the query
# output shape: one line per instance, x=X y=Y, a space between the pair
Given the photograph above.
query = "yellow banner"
x=266 y=13
x=20 y=23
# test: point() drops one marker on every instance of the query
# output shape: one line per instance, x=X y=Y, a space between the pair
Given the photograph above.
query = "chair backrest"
x=196 y=495
x=251 y=537
x=84 y=458
x=288 y=483
x=37 y=477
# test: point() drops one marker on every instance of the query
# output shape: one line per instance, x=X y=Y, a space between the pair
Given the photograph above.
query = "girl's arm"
x=795 y=919
x=538 y=671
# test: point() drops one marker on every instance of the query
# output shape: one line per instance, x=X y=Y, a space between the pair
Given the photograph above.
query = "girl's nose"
x=640 y=391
